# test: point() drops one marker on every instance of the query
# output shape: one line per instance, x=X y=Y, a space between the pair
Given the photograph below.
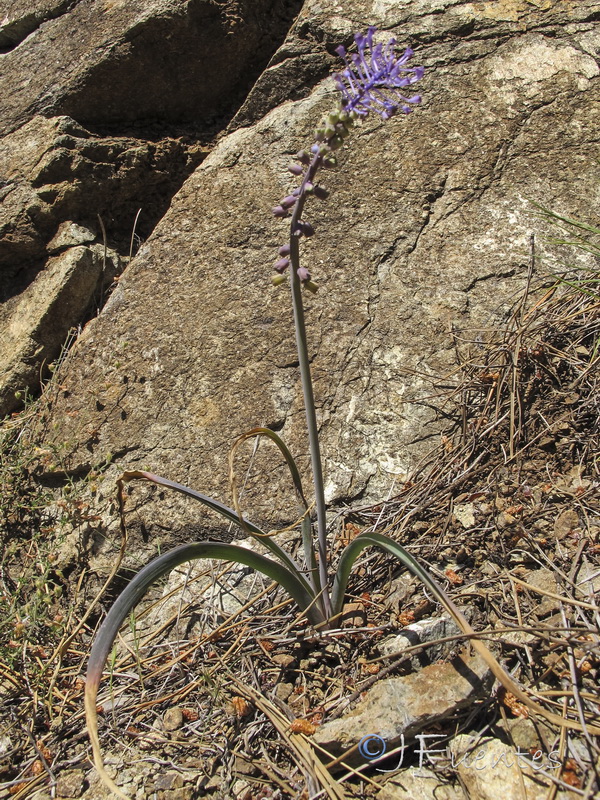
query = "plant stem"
x=307 y=388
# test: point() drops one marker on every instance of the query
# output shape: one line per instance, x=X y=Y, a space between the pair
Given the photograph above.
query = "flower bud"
x=295 y=169
x=303 y=274
x=308 y=187
x=315 y=148
x=312 y=287
x=303 y=157
x=336 y=142
x=320 y=134
x=288 y=201
x=279 y=211
x=330 y=161
x=306 y=228
x=284 y=250
x=277 y=280
x=281 y=265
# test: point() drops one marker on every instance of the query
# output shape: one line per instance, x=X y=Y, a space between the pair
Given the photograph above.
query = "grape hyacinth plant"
x=374 y=80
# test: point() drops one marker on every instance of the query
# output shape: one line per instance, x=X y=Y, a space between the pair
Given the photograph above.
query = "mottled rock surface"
x=425 y=238
x=398 y=709
x=107 y=107
x=427 y=232
x=489 y=768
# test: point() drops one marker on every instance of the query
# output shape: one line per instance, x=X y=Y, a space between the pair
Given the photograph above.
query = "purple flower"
x=374 y=78
x=282 y=265
x=305 y=228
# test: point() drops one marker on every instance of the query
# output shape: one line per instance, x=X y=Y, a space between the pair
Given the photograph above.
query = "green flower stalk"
x=373 y=80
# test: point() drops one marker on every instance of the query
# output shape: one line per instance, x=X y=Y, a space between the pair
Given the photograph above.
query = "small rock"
x=524 y=734
x=239 y=790
x=243 y=766
x=70 y=783
x=284 y=690
x=588 y=578
x=400 y=589
x=173 y=719
x=573 y=480
x=182 y=793
x=284 y=660
x=168 y=780
x=566 y=523
x=426 y=630
x=543 y=579
x=353 y=616
x=465 y=514
x=402 y=707
x=6 y=744
x=490 y=769
x=70 y=234
x=505 y=520
x=420 y=784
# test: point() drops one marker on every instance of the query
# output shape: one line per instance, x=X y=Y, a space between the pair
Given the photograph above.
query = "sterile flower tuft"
x=374 y=78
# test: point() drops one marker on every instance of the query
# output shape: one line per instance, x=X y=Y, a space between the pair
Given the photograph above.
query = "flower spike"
x=374 y=79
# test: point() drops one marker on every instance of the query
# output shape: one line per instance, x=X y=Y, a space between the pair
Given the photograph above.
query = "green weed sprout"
x=374 y=79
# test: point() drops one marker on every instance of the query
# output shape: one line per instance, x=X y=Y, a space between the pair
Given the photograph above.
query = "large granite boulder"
x=107 y=108
x=425 y=238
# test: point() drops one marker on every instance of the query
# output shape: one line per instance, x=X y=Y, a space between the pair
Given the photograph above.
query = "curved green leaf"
x=289 y=458
x=293 y=583
x=214 y=505
x=364 y=540
x=355 y=548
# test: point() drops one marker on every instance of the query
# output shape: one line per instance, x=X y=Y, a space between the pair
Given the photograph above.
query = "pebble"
x=173 y=719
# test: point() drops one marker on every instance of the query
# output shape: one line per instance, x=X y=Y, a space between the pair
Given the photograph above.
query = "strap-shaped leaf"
x=278 y=441
x=293 y=583
x=215 y=505
x=363 y=540
x=305 y=522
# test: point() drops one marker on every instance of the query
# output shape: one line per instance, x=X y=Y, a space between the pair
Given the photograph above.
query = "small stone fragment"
x=544 y=580
x=284 y=690
x=505 y=520
x=353 y=616
x=173 y=719
x=465 y=514
x=566 y=523
x=70 y=783
x=421 y=784
x=490 y=769
x=284 y=660
x=168 y=780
